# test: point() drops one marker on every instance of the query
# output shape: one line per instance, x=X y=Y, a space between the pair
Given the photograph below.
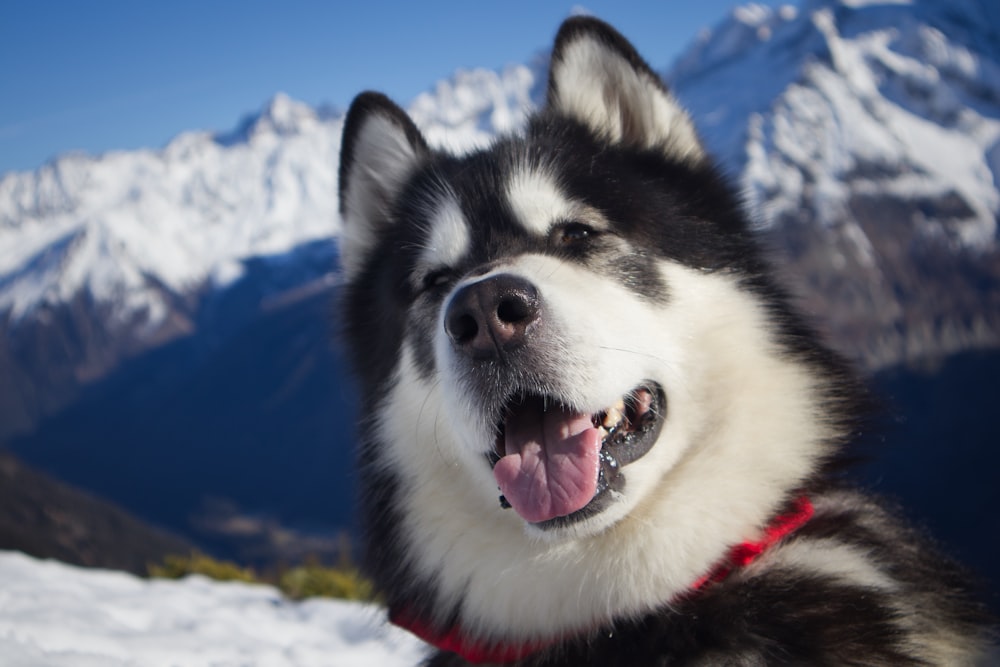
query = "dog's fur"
x=599 y=254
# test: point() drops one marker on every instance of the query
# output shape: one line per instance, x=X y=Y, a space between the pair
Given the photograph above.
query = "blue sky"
x=99 y=75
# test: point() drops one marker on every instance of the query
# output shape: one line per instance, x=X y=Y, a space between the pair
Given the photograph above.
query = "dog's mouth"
x=555 y=465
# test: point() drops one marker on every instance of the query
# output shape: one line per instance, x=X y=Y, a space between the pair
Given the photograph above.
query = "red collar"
x=471 y=649
x=478 y=651
x=745 y=553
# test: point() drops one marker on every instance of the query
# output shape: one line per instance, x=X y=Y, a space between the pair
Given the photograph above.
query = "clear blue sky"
x=98 y=75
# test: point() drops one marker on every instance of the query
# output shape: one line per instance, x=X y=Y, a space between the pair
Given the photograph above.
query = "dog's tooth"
x=643 y=403
x=613 y=416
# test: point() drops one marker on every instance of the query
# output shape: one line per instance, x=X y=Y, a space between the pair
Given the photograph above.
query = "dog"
x=594 y=429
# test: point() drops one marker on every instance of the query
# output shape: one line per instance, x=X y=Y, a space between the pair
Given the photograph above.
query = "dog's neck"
x=478 y=651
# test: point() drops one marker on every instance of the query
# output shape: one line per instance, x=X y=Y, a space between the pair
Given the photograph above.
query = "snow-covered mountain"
x=910 y=90
x=866 y=136
x=128 y=227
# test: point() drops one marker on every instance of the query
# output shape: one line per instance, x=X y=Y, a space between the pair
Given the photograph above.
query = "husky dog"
x=594 y=431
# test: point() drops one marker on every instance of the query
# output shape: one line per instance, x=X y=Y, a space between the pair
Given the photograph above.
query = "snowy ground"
x=54 y=614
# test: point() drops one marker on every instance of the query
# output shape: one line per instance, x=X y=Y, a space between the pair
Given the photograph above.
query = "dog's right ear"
x=597 y=78
x=379 y=151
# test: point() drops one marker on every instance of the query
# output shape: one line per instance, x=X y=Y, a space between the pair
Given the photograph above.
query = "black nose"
x=492 y=316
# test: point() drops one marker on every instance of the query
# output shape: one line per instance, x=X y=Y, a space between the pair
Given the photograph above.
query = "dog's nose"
x=492 y=316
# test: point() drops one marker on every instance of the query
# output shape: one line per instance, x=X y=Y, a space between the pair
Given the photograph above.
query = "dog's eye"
x=436 y=279
x=572 y=232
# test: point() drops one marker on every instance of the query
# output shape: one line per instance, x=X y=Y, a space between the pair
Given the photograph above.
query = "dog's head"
x=574 y=319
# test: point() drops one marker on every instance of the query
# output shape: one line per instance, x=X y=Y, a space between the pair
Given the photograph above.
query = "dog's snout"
x=492 y=316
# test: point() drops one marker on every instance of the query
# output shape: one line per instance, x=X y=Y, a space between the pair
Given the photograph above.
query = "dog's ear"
x=380 y=149
x=597 y=77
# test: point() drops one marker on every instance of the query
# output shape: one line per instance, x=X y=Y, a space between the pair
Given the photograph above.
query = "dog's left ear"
x=380 y=149
x=597 y=77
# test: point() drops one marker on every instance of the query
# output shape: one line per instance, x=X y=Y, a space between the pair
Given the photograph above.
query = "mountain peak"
x=743 y=29
x=284 y=115
x=135 y=229
x=281 y=116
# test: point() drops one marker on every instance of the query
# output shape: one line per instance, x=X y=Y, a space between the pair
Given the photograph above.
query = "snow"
x=864 y=3
x=56 y=615
x=110 y=223
x=879 y=85
x=473 y=106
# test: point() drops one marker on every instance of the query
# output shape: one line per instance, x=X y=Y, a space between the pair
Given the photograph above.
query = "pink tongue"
x=551 y=463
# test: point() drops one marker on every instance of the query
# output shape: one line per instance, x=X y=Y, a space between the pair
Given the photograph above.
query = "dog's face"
x=573 y=319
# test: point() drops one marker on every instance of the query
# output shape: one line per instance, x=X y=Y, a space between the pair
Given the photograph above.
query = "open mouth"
x=555 y=466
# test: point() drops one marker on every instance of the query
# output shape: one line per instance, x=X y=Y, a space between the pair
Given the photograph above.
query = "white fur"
x=833 y=558
x=536 y=200
x=720 y=468
x=447 y=237
x=601 y=89
x=538 y=203
x=383 y=159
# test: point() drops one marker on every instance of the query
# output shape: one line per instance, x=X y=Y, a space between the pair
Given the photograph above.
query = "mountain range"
x=165 y=315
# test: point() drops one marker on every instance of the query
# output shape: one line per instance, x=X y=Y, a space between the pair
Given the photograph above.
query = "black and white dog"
x=594 y=431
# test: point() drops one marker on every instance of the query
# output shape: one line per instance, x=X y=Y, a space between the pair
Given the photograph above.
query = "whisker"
x=632 y=352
